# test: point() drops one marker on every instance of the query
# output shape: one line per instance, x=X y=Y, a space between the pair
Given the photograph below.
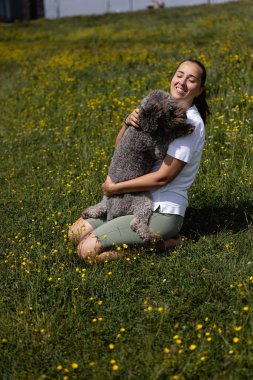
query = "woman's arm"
x=169 y=169
x=131 y=119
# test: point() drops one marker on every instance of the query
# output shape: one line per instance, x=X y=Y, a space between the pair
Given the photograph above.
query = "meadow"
x=66 y=86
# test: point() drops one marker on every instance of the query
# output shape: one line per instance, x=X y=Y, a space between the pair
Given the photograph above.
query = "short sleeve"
x=183 y=148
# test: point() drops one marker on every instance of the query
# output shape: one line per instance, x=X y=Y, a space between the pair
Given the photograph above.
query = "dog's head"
x=160 y=111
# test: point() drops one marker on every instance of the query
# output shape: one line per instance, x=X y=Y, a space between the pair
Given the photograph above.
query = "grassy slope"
x=65 y=87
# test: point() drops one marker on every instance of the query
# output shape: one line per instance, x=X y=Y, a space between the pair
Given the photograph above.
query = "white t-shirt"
x=173 y=197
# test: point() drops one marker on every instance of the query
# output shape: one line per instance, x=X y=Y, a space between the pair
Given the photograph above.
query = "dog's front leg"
x=97 y=211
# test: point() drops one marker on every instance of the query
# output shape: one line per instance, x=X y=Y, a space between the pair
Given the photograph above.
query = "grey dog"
x=160 y=120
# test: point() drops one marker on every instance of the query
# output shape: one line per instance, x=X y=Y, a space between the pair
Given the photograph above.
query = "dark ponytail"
x=201 y=104
x=200 y=101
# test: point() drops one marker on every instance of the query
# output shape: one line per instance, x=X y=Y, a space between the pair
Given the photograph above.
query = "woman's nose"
x=182 y=81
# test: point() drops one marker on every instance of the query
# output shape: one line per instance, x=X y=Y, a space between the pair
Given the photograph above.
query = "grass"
x=65 y=87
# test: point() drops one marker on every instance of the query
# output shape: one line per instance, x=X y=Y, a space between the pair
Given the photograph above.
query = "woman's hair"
x=200 y=101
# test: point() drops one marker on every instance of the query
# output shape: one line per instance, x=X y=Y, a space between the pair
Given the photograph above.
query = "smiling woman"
x=168 y=181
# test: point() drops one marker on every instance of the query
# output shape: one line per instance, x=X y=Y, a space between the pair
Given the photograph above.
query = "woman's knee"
x=89 y=247
x=79 y=230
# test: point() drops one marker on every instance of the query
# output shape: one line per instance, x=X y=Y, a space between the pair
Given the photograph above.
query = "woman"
x=168 y=181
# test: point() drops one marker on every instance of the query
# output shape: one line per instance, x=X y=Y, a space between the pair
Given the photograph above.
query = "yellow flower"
x=237 y=328
x=149 y=309
x=111 y=346
x=199 y=326
x=122 y=329
x=193 y=347
x=245 y=308
x=160 y=309
x=115 y=367
x=125 y=245
x=59 y=367
x=166 y=350
x=203 y=358
x=74 y=365
x=112 y=361
x=236 y=339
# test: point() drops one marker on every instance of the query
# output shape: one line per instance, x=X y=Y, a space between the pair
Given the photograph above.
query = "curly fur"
x=160 y=120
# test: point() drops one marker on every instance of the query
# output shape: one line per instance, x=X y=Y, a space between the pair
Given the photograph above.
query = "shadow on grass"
x=212 y=219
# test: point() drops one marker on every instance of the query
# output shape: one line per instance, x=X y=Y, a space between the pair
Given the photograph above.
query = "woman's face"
x=186 y=82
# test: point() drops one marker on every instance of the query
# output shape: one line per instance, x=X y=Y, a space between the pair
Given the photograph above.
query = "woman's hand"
x=132 y=118
x=108 y=187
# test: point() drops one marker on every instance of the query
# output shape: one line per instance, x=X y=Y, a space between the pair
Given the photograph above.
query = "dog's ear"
x=153 y=110
x=148 y=118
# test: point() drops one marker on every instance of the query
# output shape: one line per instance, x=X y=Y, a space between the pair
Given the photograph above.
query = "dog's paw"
x=154 y=238
x=86 y=214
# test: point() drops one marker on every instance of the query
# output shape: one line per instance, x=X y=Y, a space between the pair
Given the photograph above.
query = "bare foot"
x=109 y=256
x=172 y=243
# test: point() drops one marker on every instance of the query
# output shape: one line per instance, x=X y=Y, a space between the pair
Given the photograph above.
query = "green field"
x=66 y=86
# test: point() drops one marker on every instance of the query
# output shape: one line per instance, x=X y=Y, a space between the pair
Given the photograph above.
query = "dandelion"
x=199 y=326
x=112 y=361
x=166 y=350
x=111 y=346
x=59 y=367
x=160 y=309
x=74 y=365
x=202 y=358
x=122 y=329
x=149 y=309
x=192 y=347
x=115 y=367
x=245 y=308
x=236 y=339
x=237 y=328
